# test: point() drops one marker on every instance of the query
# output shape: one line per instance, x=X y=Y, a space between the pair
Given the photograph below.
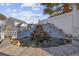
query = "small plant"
x=27 y=45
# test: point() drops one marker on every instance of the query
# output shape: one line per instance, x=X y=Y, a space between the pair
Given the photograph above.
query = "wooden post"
x=2 y=30
x=75 y=21
x=66 y=8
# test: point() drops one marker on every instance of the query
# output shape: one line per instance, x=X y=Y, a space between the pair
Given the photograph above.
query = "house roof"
x=17 y=20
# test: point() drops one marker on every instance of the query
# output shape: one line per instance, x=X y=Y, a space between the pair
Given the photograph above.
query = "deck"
x=65 y=50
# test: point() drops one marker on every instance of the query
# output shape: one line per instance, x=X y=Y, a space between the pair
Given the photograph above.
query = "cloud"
x=30 y=19
x=27 y=5
x=14 y=14
x=8 y=10
x=33 y=6
x=7 y=4
x=14 y=11
x=30 y=14
x=36 y=8
x=2 y=4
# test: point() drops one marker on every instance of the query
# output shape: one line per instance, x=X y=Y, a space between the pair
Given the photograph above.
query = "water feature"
x=43 y=35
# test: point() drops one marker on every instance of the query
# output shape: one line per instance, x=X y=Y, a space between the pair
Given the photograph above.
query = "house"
x=11 y=26
x=68 y=22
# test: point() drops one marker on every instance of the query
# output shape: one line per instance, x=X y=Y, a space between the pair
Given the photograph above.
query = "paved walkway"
x=3 y=54
x=64 y=50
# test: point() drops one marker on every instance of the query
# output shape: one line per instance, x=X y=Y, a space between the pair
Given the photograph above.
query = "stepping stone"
x=5 y=48
x=66 y=49
x=41 y=52
x=51 y=51
x=59 y=51
x=71 y=49
x=24 y=52
x=9 y=50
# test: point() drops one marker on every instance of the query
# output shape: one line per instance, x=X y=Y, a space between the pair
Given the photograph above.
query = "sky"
x=28 y=12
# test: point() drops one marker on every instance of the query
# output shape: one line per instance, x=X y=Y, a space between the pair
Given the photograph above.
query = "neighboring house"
x=2 y=23
x=67 y=22
x=11 y=26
